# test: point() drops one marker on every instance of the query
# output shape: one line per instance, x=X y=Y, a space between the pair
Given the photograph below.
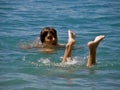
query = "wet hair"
x=45 y=31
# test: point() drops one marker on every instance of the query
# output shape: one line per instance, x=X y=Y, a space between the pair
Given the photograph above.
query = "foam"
x=47 y=62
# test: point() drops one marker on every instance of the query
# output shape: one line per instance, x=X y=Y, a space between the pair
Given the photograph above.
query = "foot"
x=99 y=38
x=95 y=43
x=71 y=37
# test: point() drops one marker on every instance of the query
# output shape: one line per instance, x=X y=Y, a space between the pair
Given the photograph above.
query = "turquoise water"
x=21 y=22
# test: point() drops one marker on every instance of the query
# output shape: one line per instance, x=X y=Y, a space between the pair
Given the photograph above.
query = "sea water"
x=21 y=22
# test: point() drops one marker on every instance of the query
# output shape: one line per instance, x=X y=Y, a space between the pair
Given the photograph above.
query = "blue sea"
x=21 y=22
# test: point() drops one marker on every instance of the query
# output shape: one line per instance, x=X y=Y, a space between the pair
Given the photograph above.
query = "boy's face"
x=50 y=37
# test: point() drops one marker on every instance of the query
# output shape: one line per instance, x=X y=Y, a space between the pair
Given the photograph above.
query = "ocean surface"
x=21 y=22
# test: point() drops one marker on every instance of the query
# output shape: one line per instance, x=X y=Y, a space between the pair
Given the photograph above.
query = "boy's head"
x=48 y=35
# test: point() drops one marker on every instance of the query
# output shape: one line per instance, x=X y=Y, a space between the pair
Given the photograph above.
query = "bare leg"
x=69 y=46
x=92 y=45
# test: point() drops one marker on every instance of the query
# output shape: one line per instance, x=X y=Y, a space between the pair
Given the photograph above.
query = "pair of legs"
x=92 y=45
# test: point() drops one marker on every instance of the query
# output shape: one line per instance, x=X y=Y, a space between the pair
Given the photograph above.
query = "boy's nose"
x=49 y=37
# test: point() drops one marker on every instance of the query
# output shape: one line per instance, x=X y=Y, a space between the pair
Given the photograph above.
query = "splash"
x=75 y=61
x=45 y=61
